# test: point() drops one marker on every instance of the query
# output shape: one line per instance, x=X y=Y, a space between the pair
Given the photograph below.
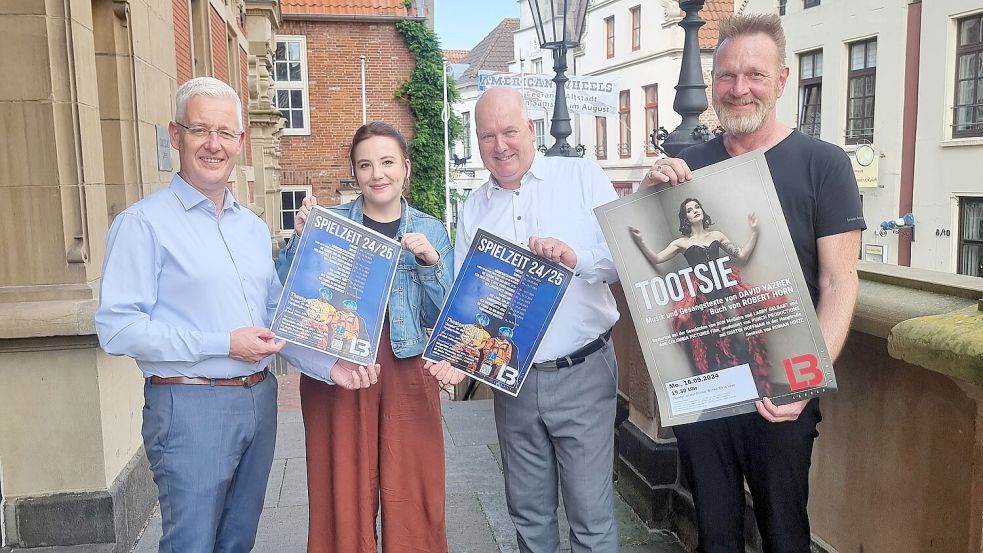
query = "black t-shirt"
x=389 y=229
x=816 y=188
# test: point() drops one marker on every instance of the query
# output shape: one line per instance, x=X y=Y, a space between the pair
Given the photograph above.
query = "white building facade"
x=903 y=81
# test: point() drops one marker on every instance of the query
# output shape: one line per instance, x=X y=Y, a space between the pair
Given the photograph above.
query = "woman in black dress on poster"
x=699 y=245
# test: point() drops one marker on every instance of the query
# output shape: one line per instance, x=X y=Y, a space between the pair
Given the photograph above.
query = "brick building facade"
x=321 y=49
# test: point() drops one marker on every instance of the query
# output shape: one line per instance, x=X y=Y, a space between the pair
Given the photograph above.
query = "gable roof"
x=494 y=52
x=347 y=7
x=713 y=11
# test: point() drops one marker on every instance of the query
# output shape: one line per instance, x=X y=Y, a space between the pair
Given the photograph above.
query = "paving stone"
x=275 y=483
x=283 y=530
x=294 y=489
x=473 y=469
x=289 y=440
x=470 y=422
x=477 y=516
x=469 y=530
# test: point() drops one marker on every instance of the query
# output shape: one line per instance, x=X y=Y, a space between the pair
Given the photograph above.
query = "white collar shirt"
x=555 y=199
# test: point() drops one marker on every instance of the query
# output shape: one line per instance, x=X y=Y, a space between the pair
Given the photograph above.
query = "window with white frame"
x=601 y=136
x=291 y=200
x=290 y=84
x=624 y=124
x=651 y=117
x=968 y=105
x=609 y=36
x=860 y=91
x=540 y=126
x=971 y=236
x=810 y=92
x=537 y=66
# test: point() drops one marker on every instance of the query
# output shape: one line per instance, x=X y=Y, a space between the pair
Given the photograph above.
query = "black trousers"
x=718 y=455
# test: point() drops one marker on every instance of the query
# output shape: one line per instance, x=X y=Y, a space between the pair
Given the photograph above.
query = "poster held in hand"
x=335 y=296
x=720 y=305
x=497 y=312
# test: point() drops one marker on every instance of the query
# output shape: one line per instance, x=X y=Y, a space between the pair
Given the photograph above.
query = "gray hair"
x=206 y=86
x=769 y=25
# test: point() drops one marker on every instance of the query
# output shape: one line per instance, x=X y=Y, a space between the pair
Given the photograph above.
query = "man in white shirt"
x=562 y=424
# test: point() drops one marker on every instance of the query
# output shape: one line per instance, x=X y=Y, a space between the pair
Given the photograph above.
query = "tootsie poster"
x=716 y=294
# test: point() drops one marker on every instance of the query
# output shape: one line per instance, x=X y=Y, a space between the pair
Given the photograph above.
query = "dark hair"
x=684 y=227
x=379 y=128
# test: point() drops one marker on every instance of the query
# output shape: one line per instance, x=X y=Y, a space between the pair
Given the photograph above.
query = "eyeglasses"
x=202 y=132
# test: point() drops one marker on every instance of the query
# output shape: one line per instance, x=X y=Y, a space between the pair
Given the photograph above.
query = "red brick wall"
x=182 y=40
x=334 y=85
x=244 y=91
x=220 y=48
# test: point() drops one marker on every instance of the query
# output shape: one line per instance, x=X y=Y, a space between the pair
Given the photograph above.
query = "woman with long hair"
x=382 y=444
x=701 y=246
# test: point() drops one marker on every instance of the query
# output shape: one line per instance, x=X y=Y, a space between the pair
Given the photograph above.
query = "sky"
x=461 y=24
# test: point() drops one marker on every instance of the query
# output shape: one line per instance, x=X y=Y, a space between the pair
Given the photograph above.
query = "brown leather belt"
x=244 y=381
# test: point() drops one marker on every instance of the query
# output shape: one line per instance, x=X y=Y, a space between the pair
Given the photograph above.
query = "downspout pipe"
x=364 y=101
x=909 y=126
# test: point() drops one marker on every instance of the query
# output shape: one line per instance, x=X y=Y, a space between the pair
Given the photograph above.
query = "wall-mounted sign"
x=163 y=149
x=866 y=164
x=875 y=252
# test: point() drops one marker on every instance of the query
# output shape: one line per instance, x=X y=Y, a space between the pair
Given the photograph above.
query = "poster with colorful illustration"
x=723 y=313
x=334 y=300
x=497 y=312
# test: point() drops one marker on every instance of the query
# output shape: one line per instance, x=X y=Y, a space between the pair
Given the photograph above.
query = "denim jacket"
x=418 y=291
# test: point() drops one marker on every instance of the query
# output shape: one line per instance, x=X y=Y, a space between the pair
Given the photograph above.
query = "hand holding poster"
x=334 y=300
x=722 y=311
x=497 y=312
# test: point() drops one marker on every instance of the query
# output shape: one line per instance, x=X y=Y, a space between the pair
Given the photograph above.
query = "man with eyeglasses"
x=188 y=290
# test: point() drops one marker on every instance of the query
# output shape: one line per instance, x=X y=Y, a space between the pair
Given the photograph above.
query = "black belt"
x=576 y=357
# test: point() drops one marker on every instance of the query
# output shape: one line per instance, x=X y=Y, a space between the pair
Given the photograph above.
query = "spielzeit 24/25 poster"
x=721 y=308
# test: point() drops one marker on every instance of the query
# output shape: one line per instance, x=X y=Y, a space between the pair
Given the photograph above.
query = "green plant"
x=424 y=93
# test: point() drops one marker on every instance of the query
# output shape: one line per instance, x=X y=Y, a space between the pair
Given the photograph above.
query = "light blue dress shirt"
x=178 y=280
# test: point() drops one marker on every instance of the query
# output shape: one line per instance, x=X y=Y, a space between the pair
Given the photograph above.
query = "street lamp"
x=445 y=115
x=691 y=92
x=560 y=26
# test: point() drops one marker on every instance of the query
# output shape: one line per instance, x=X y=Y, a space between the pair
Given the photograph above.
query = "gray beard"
x=741 y=124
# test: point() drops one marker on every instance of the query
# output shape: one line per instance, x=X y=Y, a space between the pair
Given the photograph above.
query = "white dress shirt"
x=555 y=199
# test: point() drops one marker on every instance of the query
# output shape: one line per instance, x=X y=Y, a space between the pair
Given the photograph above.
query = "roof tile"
x=346 y=7
x=713 y=11
x=455 y=56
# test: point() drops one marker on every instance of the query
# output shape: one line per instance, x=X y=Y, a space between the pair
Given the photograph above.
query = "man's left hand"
x=554 y=250
x=444 y=372
x=780 y=413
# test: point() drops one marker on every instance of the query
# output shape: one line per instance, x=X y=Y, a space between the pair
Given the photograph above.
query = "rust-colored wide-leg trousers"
x=385 y=441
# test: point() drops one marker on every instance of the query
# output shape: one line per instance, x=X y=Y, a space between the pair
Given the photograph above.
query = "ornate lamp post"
x=560 y=26
x=691 y=92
